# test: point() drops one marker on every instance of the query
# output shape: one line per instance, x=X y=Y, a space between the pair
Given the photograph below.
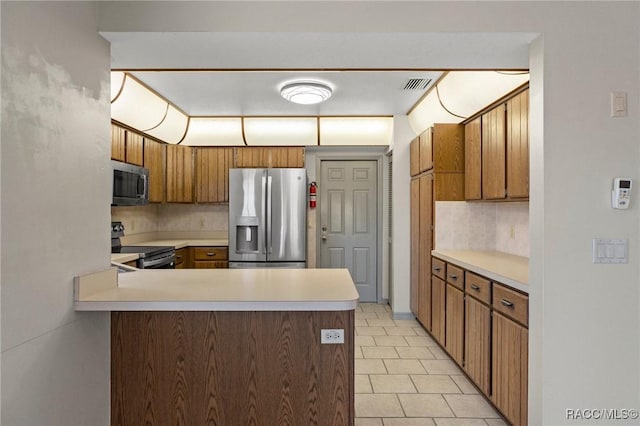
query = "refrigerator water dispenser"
x=246 y=234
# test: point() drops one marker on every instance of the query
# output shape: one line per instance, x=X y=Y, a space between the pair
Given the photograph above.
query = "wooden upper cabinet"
x=473 y=160
x=179 y=174
x=518 y=146
x=426 y=150
x=414 y=157
x=135 y=149
x=494 y=154
x=266 y=157
x=154 y=160
x=212 y=174
x=448 y=148
x=118 y=137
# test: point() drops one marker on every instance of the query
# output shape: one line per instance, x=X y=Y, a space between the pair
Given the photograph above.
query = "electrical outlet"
x=331 y=336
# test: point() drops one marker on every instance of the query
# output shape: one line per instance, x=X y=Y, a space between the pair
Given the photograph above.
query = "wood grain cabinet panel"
x=438 y=268
x=425 y=141
x=181 y=258
x=425 y=247
x=231 y=368
x=210 y=257
x=135 y=149
x=477 y=343
x=455 y=276
x=478 y=287
x=473 y=160
x=155 y=161
x=118 y=143
x=518 y=146
x=179 y=174
x=414 y=157
x=212 y=174
x=287 y=157
x=509 y=368
x=415 y=245
x=448 y=148
x=454 y=320
x=494 y=154
x=438 y=309
x=511 y=303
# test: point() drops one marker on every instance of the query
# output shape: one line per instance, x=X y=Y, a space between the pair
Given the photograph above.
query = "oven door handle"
x=162 y=261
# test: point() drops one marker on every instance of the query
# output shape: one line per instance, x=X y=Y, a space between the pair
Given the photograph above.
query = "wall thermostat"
x=621 y=193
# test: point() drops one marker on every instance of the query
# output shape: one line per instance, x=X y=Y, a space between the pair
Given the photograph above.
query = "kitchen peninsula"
x=227 y=346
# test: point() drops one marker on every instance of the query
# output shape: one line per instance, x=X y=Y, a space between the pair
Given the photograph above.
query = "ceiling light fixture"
x=306 y=93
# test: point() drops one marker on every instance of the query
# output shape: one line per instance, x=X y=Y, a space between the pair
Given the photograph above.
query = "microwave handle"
x=145 y=187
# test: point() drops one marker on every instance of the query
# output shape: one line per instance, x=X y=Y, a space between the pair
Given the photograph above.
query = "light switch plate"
x=610 y=250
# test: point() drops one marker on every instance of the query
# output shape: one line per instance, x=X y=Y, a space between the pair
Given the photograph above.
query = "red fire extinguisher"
x=313 y=191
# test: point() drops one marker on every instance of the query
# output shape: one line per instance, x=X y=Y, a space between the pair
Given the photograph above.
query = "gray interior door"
x=348 y=221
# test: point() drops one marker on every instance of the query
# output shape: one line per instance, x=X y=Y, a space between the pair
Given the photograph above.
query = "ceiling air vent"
x=416 y=84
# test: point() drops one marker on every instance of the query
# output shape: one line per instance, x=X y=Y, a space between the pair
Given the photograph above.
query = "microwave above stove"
x=130 y=184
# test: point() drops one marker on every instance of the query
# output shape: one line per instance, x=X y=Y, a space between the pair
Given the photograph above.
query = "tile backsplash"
x=172 y=217
x=482 y=226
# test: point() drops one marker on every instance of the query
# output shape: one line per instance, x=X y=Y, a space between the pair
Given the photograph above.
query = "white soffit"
x=358 y=131
x=214 y=131
x=281 y=131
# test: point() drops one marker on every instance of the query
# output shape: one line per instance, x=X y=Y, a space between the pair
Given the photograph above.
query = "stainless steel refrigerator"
x=267 y=218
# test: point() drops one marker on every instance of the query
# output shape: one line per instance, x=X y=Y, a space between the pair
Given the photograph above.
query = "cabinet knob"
x=436 y=268
x=453 y=276
x=211 y=253
x=475 y=287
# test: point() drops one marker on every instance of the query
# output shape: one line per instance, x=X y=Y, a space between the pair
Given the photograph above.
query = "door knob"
x=324 y=238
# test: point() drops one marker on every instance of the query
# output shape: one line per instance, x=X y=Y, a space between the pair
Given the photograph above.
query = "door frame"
x=380 y=161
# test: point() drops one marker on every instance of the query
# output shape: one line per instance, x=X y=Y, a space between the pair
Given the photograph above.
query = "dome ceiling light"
x=306 y=93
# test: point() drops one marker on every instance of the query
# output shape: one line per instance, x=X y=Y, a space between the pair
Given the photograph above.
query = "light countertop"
x=217 y=290
x=124 y=257
x=501 y=267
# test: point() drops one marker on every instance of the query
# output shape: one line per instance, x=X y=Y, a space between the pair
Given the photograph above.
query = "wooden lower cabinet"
x=210 y=257
x=454 y=329
x=231 y=368
x=181 y=258
x=438 y=309
x=509 y=368
x=477 y=344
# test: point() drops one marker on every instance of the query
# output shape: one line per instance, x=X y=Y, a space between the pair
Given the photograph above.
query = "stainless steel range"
x=150 y=257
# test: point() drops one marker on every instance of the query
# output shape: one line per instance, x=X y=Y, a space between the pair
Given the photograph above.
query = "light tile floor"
x=403 y=378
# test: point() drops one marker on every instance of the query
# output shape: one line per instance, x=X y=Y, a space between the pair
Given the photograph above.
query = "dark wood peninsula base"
x=231 y=368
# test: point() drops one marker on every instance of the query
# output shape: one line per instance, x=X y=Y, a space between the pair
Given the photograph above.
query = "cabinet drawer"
x=478 y=287
x=210 y=264
x=511 y=303
x=455 y=276
x=438 y=268
x=180 y=257
x=210 y=253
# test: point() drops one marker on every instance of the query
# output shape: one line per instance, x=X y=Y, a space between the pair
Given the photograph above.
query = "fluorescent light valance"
x=117 y=81
x=360 y=131
x=172 y=128
x=214 y=131
x=278 y=131
x=460 y=94
x=137 y=106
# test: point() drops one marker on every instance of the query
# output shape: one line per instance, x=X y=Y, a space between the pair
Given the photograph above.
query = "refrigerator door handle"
x=269 y=228
x=265 y=196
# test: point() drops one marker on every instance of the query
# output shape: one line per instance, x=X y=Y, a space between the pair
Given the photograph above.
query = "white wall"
x=55 y=216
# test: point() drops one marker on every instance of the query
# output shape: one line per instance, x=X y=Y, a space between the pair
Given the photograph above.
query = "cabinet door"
x=426 y=150
x=425 y=245
x=415 y=245
x=477 y=341
x=179 y=174
x=493 y=154
x=414 y=157
x=438 y=306
x=251 y=157
x=154 y=160
x=181 y=258
x=118 y=137
x=455 y=324
x=212 y=174
x=518 y=146
x=509 y=368
x=448 y=147
x=473 y=160
x=135 y=149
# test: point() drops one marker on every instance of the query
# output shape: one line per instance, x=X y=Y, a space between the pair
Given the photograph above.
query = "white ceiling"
x=367 y=70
